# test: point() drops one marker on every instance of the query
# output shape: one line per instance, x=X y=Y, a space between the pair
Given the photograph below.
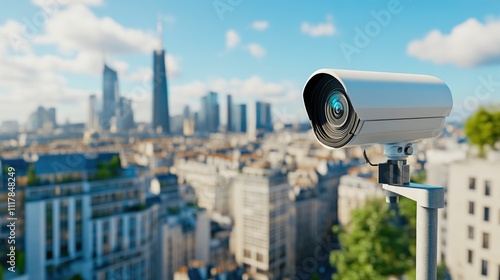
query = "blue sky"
x=51 y=51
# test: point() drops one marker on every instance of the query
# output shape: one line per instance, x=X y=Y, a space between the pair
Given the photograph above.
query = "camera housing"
x=348 y=108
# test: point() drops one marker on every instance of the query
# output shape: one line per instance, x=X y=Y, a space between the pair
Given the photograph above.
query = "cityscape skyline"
x=238 y=37
x=165 y=140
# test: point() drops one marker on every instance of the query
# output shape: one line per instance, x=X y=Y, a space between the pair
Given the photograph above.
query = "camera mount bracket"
x=394 y=175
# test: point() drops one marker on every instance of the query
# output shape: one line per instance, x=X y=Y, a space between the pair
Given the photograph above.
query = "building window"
x=470 y=256
x=486 y=240
x=472 y=183
x=487 y=188
x=471 y=207
x=484 y=268
x=486 y=216
x=246 y=253
x=470 y=231
x=260 y=258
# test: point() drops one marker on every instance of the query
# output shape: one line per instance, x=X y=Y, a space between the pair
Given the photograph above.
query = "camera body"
x=348 y=108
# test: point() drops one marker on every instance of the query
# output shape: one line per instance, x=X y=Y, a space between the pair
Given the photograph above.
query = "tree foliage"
x=109 y=169
x=483 y=129
x=33 y=179
x=377 y=243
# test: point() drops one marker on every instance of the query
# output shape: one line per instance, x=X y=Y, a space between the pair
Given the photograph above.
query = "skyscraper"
x=161 y=117
x=263 y=116
x=240 y=118
x=262 y=241
x=91 y=114
x=210 y=113
x=110 y=96
x=230 y=126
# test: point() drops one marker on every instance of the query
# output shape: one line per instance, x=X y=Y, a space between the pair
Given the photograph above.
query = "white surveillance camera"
x=348 y=108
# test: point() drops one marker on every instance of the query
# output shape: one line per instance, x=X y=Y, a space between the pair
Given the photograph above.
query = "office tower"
x=240 y=118
x=91 y=113
x=263 y=116
x=210 y=113
x=51 y=117
x=262 y=241
x=473 y=218
x=188 y=122
x=110 y=96
x=161 y=116
x=42 y=118
x=230 y=126
x=123 y=120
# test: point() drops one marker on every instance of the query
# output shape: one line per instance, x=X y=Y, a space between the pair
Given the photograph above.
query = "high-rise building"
x=210 y=119
x=473 y=218
x=240 y=118
x=42 y=118
x=261 y=233
x=263 y=116
x=230 y=126
x=123 y=120
x=110 y=96
x=92 y=113
x=51 y=116
x=161 y=116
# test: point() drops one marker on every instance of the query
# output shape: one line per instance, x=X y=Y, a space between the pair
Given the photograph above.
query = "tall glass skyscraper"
x=263 y=114
x=240 y=118
x=110 y=96
x=230 y=125
x=210 y=113
x=161 y=117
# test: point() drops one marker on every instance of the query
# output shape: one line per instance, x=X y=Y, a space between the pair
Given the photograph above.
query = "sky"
x=52 y=51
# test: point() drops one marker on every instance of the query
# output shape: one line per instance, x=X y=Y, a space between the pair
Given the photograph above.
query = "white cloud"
x=78 y=29
x=11 y=37
x=260 y=25
x=256 y=50
x=471 y=43
x=46 y=3
x=320 y=29
x=232 y=39
x=29 y=85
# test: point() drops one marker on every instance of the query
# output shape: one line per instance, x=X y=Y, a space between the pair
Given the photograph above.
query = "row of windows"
x=486 y=236
x=487 y=186
x=484 y=263
x=486 y=211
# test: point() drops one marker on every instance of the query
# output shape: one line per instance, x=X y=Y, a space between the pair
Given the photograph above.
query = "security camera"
x=348 y=108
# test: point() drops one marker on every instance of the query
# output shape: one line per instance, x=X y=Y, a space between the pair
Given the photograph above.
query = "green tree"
x=33 y=180
x=21 y=262
x=109 y=169
x=419 y=177
x=76 y=277
x=377 y=243
x=483 y=129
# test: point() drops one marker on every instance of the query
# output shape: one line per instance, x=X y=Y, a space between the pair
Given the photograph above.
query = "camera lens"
x=332 y=116
x=337 y=110
x=337 y=106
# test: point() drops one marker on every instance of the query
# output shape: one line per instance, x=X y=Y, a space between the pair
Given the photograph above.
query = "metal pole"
x=427 y=221
x=428 y=199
